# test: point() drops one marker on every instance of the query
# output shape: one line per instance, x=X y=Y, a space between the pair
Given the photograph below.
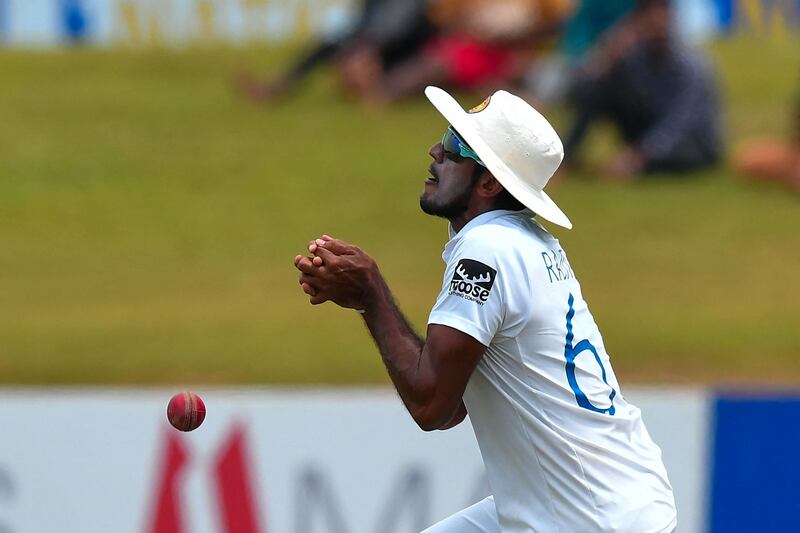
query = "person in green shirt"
x=591 y=20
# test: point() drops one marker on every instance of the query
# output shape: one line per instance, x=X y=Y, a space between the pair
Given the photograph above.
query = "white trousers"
x=478 y=518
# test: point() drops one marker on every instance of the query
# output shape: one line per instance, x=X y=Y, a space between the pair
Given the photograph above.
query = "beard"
x=456 y=205
x=448 y=209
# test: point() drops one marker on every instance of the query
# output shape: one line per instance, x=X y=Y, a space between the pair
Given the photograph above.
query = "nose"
x=437 y=152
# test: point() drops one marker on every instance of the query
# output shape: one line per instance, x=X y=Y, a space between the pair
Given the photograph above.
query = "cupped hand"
x=338 y=271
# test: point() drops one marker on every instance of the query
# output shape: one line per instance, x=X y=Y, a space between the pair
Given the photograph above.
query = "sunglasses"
x=454 y=144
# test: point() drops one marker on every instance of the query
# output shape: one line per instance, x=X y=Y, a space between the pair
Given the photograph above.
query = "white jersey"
x=564 y=451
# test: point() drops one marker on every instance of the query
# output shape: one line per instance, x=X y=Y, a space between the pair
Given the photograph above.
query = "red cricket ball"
x=186 y=411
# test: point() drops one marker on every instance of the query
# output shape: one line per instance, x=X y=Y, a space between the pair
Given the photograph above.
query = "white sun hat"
x=515 y=142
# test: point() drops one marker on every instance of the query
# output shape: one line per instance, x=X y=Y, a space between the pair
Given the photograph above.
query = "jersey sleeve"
x=471 y=299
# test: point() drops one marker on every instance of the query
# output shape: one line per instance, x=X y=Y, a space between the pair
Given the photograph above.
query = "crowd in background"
x=618 y=61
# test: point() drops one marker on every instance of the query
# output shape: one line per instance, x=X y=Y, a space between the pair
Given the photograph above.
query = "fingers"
x=324 y=240
x=313 y=247
x=308 y=265
x=318 y=299
x=315 y=294
x=325 y=255
x=315 y=244
x=315 y=297
x=311 y=265
x=308 y=289
x=335 y=246
x=309 y=280
x=325 y=248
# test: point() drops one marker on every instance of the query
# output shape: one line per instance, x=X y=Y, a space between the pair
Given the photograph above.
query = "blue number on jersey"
x=571 y=354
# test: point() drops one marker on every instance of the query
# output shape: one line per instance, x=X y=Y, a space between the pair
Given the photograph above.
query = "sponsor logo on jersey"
x=473 y=281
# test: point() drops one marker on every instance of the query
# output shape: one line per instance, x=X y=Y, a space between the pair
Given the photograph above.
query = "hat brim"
x=535 y=200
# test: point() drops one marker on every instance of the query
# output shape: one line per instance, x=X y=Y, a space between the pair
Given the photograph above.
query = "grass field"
x=148 y=222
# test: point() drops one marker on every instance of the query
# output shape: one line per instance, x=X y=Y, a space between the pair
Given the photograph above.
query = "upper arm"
x=469 y=312
x=450 y=356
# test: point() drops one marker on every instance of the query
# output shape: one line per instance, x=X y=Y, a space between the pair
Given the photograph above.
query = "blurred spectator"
x=483 y=44
x=661 y=96
x=590 y=21
x=387 y=32
x=772 y=160
x=549 y=79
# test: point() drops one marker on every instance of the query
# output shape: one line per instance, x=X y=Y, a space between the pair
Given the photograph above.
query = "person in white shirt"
x=510 y=339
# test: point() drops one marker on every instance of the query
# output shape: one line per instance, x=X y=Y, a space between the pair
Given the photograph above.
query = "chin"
x=437 y=210
x=428 y=206
x=425 y=205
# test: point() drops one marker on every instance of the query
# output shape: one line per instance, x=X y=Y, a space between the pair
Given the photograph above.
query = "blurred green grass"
x=148 y=221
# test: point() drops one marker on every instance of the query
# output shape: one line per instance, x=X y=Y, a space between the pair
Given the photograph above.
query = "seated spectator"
x=550 y=79
x=661 y=96
x=590 y=22
x=387 y=32
x=772 y=160
x=482 y=45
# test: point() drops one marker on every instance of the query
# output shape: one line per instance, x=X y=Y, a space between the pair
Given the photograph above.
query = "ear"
x=488 y=186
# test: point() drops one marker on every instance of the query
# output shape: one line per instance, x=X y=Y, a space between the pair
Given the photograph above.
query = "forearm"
x=403 y=354
x=400 y=347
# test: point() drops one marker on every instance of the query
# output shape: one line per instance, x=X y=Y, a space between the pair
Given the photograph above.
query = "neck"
x=458 y=223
